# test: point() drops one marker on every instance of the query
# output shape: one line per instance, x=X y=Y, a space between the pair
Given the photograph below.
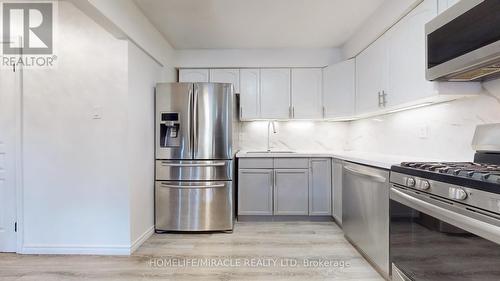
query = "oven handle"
x=480 y=228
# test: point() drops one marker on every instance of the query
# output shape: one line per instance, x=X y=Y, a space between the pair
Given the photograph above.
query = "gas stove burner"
x=476 y=171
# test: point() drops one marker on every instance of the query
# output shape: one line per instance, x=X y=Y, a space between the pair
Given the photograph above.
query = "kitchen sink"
x=271 y=151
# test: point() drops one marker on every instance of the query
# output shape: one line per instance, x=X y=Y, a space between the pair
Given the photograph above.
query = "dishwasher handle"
x=372 y=176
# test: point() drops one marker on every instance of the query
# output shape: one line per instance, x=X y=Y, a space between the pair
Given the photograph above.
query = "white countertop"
x=384 y=161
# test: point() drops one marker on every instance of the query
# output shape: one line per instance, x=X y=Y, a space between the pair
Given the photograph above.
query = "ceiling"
x=220 y=24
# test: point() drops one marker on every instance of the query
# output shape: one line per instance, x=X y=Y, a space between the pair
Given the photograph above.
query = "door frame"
x=18 y=152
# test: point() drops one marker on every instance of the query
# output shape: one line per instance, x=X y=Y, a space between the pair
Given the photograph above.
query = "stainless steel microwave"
x=463 y=42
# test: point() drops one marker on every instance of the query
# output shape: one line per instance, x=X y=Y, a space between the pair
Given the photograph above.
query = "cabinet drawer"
x=291 y=163
x=256 y=163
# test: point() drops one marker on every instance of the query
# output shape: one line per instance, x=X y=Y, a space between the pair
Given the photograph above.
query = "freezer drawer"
x=177 y=170
x=194 y=206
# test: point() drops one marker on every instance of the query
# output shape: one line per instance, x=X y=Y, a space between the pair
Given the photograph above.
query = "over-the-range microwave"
x=463 y=42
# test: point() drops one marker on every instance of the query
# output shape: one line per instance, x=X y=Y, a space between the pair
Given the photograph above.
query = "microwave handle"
x=475 y=226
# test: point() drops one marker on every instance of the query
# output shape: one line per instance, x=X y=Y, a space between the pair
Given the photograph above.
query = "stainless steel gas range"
x=445 y=217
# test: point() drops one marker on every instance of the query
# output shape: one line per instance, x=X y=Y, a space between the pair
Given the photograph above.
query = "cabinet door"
x=249 y=94
x=275 y=93
x=337 y=190
x=339 y=89
x=443 y=5
x=370 y=75
x=193 y=75
x=291 y=192
x=226 y=76
x=406 y=80
x=255 y=192
x=320 y=187
x=307 y=93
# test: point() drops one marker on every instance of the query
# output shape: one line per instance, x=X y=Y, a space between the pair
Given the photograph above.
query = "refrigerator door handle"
x=195 y=119
x=193 y=164
x=192 y=186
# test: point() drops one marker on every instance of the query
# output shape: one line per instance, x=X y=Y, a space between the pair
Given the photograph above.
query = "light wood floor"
x=246 y=254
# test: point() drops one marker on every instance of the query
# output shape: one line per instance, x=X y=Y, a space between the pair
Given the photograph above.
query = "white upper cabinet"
x=226 y=76
x=339 y=88
x=307 y=93
x=275 y=93
x=371 y=67
x=443 y=5
x=194 y=75
x=390 y=73
x=249 y=94
x=406 y=57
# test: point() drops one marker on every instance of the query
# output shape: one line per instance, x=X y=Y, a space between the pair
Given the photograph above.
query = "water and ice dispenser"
x=169 y=130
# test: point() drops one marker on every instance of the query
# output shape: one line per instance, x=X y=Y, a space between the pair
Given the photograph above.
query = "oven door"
x=434 y=239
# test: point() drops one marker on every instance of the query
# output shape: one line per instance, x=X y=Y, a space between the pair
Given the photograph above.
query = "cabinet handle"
x=241 y=112
x=379 y=99
x=293 y=111
x=290 y=112
x=384 y=98
x=324 y=111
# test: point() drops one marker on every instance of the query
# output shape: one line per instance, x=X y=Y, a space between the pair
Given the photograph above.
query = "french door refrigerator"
x=194 y=166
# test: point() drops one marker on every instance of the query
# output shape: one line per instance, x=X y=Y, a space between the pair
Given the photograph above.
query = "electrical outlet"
x=96 y=112
x=423 y=132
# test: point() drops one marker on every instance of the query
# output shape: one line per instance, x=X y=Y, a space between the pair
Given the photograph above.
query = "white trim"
x=141 y=239
x=55 y=249
x=48 y=249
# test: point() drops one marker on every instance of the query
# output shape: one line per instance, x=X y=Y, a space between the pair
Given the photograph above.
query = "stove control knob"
x=425 y=185
x=457 y=193
x=410 y=182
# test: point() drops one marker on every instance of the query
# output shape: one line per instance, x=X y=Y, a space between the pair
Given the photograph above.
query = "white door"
x=406 y=80
x=226 y=76
x=9 y=108
x=370 y=75
x=250 y=94
x=339 y=89
x=193 y=75
x=307 y=93
x=275 y=93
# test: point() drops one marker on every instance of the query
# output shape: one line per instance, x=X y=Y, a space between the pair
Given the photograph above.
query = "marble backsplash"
x=441 y=131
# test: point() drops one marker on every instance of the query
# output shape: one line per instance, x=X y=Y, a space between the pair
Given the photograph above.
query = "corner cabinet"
x=307 y=92
x=339 y=90
x=284 y=187
x=320 y=187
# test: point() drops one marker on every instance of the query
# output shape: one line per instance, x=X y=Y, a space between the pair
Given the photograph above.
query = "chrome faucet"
x=269 y=134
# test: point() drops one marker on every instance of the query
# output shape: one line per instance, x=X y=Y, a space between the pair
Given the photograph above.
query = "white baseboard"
x=47 y=249
x=57 y=249
x=139 y=241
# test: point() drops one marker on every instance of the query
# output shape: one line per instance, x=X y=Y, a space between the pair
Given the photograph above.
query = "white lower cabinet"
x=292 y=187
x=320 y=187
x=255 y=191
x=337 y=166
x=291 y=192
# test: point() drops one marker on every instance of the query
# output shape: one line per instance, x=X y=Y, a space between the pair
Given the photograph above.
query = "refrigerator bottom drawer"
x=194 y=206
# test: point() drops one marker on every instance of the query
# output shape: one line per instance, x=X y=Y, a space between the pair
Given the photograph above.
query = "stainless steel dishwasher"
x=365 y=212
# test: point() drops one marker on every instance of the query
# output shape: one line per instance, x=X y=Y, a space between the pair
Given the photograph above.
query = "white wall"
x=143 y=75
x=76 y=196
x=450 y=128
x=318 y=57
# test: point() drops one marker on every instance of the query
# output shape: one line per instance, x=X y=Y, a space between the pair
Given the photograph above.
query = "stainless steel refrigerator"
x=194 y=166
